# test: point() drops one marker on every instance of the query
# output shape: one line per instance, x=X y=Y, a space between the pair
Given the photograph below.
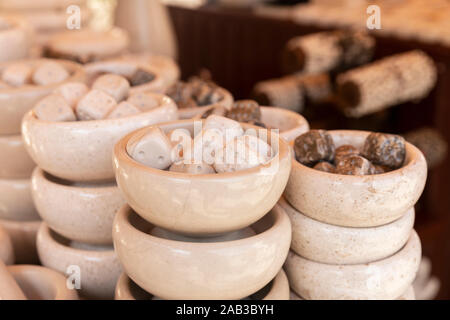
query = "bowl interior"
x=194 y=127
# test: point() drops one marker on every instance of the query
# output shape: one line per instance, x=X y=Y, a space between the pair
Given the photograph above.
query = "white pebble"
x=54 y=108
x=17 y=74
x=72 y=92
x=49 y=73
x=123 y=109
x=152 y=149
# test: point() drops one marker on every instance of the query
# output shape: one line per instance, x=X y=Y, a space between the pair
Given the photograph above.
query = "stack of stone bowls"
x=17 y=213
x=208 y=236
x=353 y=236
x=74 y=191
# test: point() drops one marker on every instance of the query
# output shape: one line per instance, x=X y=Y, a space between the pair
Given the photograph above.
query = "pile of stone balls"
x=381 y=153
x=196 y=92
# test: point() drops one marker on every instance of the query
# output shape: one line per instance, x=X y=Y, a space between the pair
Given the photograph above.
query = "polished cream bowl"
x=172 y=269
x=204 y=204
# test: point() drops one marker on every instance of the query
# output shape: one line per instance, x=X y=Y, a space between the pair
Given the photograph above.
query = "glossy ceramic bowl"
x=81 y=150
x=6 y=247
x=331 y=244
x=40 y=283
x=172 y=269
x=99 y=266
x=16 y=202
x=357 y=201
x=384 y=279
x=15 y=163
x=23 y=238
x=201 y=204
x=15 y=102
x=226 y=102
x=277 y=289
x=78 y=211
x=164 y=69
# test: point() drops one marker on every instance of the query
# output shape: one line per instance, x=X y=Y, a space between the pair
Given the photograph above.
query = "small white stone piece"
x=50 y=73
x=152 y=149
x=192 y=168
x=54 y=108
x=238 y=155
x=95 y=105
x=17 y=74
x=143 y=101
x=72 y=92
x=114 y=85
x=123 y=109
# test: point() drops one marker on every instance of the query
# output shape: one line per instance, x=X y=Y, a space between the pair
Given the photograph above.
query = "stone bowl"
x=6 y=247
x=326 y=243
x=201 y=270
x=40 y=283
x=385 y=279
x=277 y=289
x=81 y=212
x=81 y=150
x=357 y=201
x=16 y=203
x=23 y=238
x=202 y=204
x=16 y=101
x=98 y=265
x=164 y=68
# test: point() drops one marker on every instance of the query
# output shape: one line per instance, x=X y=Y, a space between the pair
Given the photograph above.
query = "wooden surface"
x=241 y=49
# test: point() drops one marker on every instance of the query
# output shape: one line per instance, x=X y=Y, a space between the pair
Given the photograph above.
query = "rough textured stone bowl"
x=385 y=279
x=357 y=201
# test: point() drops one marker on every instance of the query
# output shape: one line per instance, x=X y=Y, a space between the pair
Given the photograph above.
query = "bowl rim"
x=42 y=176
x=415 y=156
x=76 y=68
x=165 y=102
x=95 y=67
x=122 y=221
x=45 y=235
x=121 y=155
